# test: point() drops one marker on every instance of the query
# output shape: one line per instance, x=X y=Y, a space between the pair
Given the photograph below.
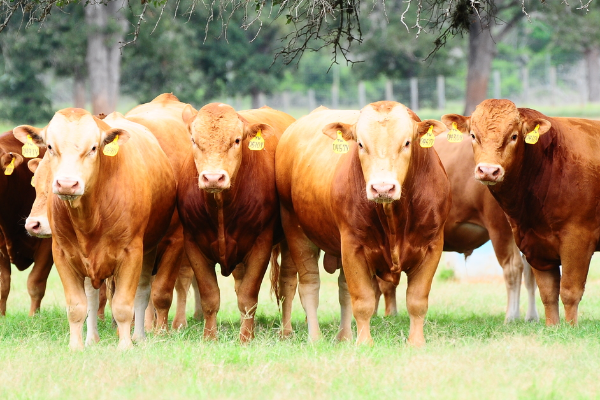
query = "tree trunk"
x=592 y=63
x=78 y=89
x=482 y=50
x=256 y=97
x=96 y=18
x=114 y=53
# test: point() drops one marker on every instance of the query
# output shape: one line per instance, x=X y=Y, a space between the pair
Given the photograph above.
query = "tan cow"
x=381 y=207
x=543 y=171
x=107 y=213
x=228 y=203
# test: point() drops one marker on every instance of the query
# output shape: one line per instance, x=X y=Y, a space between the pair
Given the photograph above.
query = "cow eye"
x=514 y=137
x=473 y=136
x=360 y=145
x=94 y=148
x=237 y=141
x=193 y=142
x=407 y=143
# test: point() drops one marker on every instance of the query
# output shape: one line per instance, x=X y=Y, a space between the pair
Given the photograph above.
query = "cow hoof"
x=344 y=336
x=125 y=345
x=199 y=316
x=92 y=340
x=286 y=334
x=532 y=318
x=76 y=346
x=177 y=325
x=138 y=337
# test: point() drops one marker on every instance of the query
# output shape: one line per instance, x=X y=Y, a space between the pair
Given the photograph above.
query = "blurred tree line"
x=200 y=63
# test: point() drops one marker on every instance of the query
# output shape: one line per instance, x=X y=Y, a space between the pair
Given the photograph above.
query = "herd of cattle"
x=151 y=201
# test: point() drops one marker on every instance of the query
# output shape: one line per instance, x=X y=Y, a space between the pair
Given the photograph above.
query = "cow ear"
x=463 y=124
x=34 y=164
x=109 y=136
x=7 y=158
x=37 y=135
x=529 y=124
x=250 y=130
x=348 y=131
x=423 y=127
x=188 y=114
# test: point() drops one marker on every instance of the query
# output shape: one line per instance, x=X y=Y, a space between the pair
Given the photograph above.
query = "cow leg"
x=93 y=301
x=305 y=256
x=345 y=332
x=247 y=293
x=417 y=292
x=288 y=282
x=532 y=313
x=102 y=301
x=378 y=293
x=164 y=284
x=182 y=287
x=208 y=287
x=4 y=281
x=576 y=264
x=389 y=294
x=549 y=284
x=142 y=296
x=360 y=285
x=198 y=313
x=150 y=314
x=75 y=297
x=38 y=277
x=509 y=258
x=238 y=276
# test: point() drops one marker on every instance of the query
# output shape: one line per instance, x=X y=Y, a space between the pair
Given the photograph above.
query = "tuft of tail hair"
x=275 y=269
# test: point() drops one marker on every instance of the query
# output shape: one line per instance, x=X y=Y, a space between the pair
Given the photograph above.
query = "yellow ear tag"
x=33 y=181
x=257 y=143
x=533 y=136
x=455 y=136
x=30 y=150
x=428 y=138
x=112 y=148
x=340 y=146
x=10 y=168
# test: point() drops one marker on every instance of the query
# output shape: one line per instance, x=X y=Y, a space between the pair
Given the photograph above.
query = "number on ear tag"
x=340 y=146
x=428 y=138
x=10 y=168
x=112 y=148
x=257 y=143
x=455 y=136
x=533 y=136
x=30 y=150
x=33 y=181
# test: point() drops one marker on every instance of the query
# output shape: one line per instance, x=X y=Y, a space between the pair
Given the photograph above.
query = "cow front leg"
x=142 y=296
x=198 y=312
x=417 y=292
x=532 y=312
x=75 y=297
x=182 y=287
x=389 y=294
x=164 y=282
x=549 y=284
x=93 y=301
x=4 y=281
x=575 y=260
x=206 y=278
x=345 y=300
x=288 y=283
x=38 y=277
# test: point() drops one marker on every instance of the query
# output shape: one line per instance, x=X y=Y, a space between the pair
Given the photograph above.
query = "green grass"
x=470 y=353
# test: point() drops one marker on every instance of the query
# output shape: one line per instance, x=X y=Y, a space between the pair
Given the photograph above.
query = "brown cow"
x=107 y=213
x=547 y=190
x=228 y=204
x=475 y=218
x=16 y=246
x=381 y=207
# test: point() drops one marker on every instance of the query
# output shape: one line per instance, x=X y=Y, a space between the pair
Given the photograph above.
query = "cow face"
x=386 y=133
x=218 y=134
x=498 y=131
x=74 y=140
x=37 y=223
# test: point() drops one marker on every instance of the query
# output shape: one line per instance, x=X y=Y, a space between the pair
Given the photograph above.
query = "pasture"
x=470 y=353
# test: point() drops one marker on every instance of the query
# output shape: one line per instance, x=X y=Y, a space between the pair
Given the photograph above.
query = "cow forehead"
x=74 y=127
x=494 y=117
x=385 y=117
x=216 y=119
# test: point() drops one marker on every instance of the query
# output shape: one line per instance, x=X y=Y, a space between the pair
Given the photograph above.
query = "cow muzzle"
x=214 y=181
x=67 y=188
x=489 y=174
x=383 y=191
x=38 y=226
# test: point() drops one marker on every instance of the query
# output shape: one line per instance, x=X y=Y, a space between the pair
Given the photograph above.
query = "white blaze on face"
x=384 y=136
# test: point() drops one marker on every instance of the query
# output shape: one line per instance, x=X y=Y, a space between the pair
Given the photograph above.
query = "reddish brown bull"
x=228 y=204
x=16 y=246
x=381 y=207
x=543 y=172
x=107 y=213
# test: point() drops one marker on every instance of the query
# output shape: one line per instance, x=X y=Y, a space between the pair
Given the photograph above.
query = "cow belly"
x=464 y=237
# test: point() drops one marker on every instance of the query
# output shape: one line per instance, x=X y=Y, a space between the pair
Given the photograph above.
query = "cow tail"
x=275 y=269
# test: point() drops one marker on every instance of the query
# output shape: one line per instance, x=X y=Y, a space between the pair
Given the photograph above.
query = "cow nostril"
x=221 y=178
x=496 y=172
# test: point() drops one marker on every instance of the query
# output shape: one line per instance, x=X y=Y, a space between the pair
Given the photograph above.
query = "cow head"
x=386 y=133
x=218 y=134
x=74 y=140
x=37 y=223
x=498 y=131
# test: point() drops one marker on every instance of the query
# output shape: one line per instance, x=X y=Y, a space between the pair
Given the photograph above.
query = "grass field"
x=470 y=353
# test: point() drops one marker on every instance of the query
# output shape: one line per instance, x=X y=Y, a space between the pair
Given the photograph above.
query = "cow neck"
x=392 y=223
x=18 y=200
x=221 y=227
